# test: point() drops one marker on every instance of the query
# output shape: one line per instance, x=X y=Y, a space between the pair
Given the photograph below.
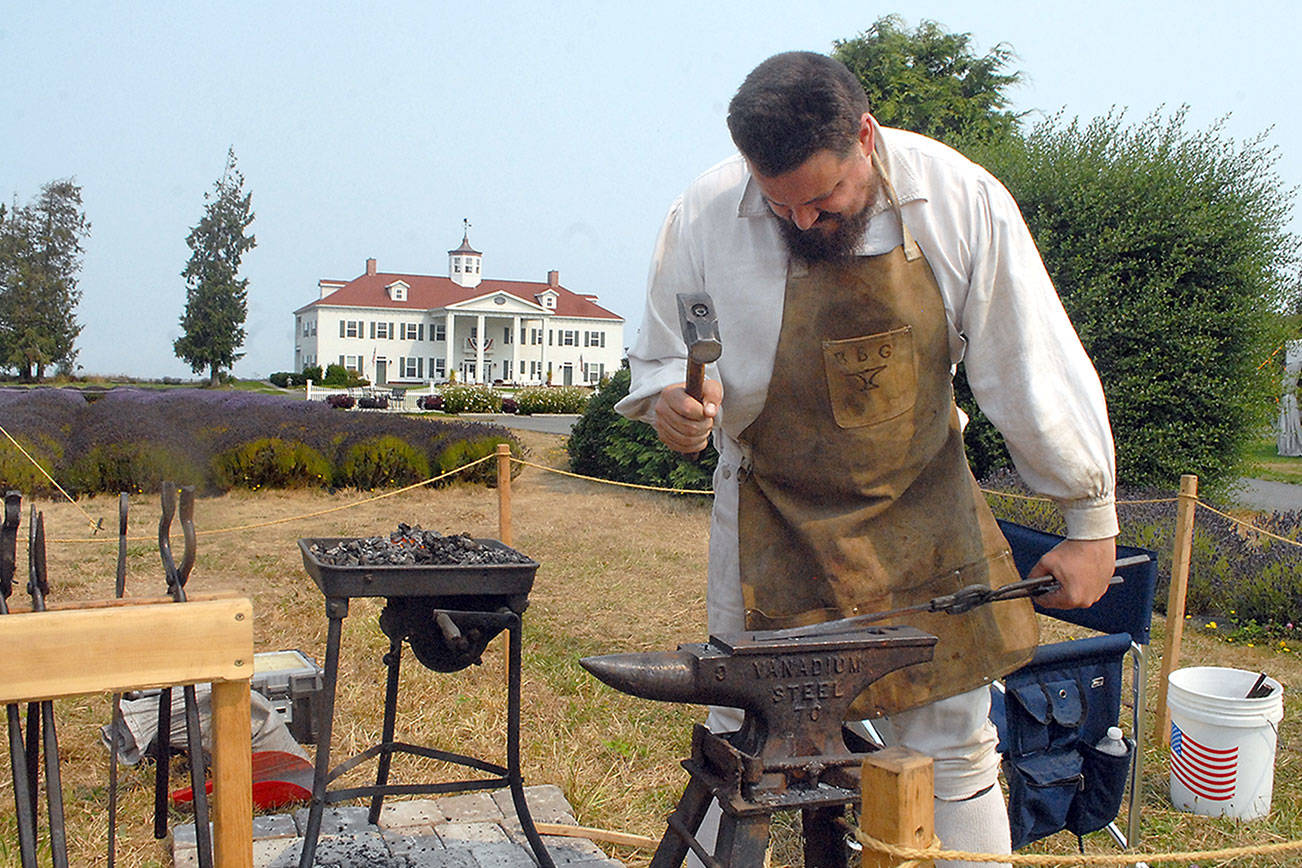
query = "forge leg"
x=515 y=778
x=683 y=823
x=336 y=611
x=392 y=660
x=742 y=840
x=824 y=839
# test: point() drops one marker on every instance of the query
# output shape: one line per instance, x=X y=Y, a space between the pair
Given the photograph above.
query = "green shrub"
x=131 y=466
x=1171 y=252
x=338 y=376
x=606 y=445
x=313 y=373
x=280 y=378
x=17 y=473
x=552 y=399
x=384 y=461
x=471 y=398
x=271 y=463
x=461 y=452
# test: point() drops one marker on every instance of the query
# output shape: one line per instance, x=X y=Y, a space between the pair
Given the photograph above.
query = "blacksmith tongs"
x=23 y=805
x=176 y=579
x=962 y=600
x=41 y=734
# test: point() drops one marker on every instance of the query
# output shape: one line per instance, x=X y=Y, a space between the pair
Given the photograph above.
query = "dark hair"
x=793 y=105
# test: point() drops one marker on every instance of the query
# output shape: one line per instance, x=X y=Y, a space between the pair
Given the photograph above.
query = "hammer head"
x=700 y=327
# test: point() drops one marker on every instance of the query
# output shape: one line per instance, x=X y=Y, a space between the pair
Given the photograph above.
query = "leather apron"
x=858 y=497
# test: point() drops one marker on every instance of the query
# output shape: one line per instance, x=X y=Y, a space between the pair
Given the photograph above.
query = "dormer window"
x=547 y=299
x=397 y=290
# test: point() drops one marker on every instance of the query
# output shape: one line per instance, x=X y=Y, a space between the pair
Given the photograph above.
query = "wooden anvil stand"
x=123 y=645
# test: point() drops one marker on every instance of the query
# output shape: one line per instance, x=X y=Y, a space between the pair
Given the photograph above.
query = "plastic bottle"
x=1113 y=744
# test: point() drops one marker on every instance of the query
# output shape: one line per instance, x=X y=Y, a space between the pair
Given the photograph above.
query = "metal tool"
x=23 y=805
x=700 y=329
x=962 y=600
x=176 y=579
x=119 y=590
x=701 y=334
x=41 y=734
x=789 y=753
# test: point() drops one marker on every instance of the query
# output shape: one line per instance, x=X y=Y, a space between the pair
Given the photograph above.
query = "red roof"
x=427 y=292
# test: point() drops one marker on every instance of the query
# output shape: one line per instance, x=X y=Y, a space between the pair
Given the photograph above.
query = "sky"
x=561 y=131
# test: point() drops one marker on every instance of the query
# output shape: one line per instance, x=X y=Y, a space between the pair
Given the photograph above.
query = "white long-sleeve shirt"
x=1024 y=362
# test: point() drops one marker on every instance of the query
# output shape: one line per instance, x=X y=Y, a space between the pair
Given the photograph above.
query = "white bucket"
x=1222 y=744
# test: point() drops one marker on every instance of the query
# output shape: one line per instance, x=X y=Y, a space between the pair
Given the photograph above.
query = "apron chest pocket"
x=871 y=379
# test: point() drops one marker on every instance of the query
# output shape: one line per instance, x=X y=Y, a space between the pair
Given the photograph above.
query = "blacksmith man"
x=852 y=266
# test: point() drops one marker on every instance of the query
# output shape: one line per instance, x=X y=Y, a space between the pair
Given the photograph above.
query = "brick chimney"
x=553 y=278
x=370 y=266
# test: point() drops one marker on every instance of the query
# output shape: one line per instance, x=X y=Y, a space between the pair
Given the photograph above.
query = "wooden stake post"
x=1182 y=552
x=898 y=789
x=504 y=492
x=121 y=647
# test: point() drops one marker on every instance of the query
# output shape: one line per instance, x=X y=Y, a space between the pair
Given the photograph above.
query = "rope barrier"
x=916 y=854
x=321 y=512
x=97 y=524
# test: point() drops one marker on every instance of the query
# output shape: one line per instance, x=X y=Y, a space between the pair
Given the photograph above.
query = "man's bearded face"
x=831 y=238
x=824 y=204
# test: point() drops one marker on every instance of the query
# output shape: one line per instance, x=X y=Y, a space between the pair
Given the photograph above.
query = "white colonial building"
x=415 y=328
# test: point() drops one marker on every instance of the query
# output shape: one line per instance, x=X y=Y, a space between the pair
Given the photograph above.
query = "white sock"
x=978 y=825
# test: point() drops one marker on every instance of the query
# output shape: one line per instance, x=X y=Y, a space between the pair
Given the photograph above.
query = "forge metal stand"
x=496 y=775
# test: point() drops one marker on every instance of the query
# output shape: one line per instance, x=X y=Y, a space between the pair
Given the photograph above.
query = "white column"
x=542 y=349
x=518 y=353
x=449 y=345
x=479 y=348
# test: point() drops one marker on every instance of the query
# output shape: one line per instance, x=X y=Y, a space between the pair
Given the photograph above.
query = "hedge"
x=130 y=439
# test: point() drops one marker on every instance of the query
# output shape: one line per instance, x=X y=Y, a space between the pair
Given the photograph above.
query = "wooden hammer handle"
x=696 y=380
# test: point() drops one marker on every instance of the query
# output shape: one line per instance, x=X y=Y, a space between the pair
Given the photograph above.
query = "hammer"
x=701 y=334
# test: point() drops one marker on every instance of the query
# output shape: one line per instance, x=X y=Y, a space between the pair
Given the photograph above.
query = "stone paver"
x=467 y=830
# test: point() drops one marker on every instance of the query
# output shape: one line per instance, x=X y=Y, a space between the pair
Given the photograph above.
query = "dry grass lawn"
x=620 y=570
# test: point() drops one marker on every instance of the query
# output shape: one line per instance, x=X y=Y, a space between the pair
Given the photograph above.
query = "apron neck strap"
x=911 y=249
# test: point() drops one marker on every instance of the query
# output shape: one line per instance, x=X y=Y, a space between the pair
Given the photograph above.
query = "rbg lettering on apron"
x=871 y=379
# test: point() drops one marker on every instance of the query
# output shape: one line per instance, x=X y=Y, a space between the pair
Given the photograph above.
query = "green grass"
x=1263 y=462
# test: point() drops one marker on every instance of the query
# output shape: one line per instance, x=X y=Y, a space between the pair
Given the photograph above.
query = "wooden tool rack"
x=120 y=645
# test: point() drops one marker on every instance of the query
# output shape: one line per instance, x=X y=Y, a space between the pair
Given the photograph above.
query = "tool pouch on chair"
x=1056 y=778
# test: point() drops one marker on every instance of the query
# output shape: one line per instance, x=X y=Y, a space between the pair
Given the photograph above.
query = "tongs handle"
x=9 y=543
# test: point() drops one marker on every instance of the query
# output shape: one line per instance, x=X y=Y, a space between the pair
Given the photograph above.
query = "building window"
x=312 y=323
x=384 y=330
x=594 y=339
x=412 y=368
x=535 y=370
x=352 y=363
x=535 y=336
x=506 y=334
x=409 y=331
x=300 y=321
x=440 y=332
x=439 y=367
x=570 y=338
x=350 y=328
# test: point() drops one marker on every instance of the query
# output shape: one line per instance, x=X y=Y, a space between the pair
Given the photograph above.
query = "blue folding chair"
x=1053 y=712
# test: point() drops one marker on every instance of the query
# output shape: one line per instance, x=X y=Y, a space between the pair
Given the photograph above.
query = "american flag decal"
x=1205 y=771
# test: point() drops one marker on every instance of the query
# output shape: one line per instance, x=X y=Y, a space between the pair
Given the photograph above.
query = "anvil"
x=795 y=691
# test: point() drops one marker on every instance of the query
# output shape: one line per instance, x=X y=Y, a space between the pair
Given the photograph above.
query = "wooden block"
x=49 y=655
x=897 y=792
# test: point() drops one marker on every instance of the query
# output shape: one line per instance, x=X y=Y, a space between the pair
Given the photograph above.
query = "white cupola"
x=465 y=262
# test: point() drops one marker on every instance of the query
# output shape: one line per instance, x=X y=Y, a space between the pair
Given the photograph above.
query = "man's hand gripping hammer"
x=701 y=334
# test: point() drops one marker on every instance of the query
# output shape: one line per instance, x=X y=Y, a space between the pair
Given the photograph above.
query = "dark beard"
x=825 y=245
x=829 y=245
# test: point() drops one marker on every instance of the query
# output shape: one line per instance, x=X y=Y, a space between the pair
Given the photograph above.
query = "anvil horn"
x=667 y=676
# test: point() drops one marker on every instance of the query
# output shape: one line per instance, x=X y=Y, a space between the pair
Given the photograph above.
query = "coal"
x=410 y=545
